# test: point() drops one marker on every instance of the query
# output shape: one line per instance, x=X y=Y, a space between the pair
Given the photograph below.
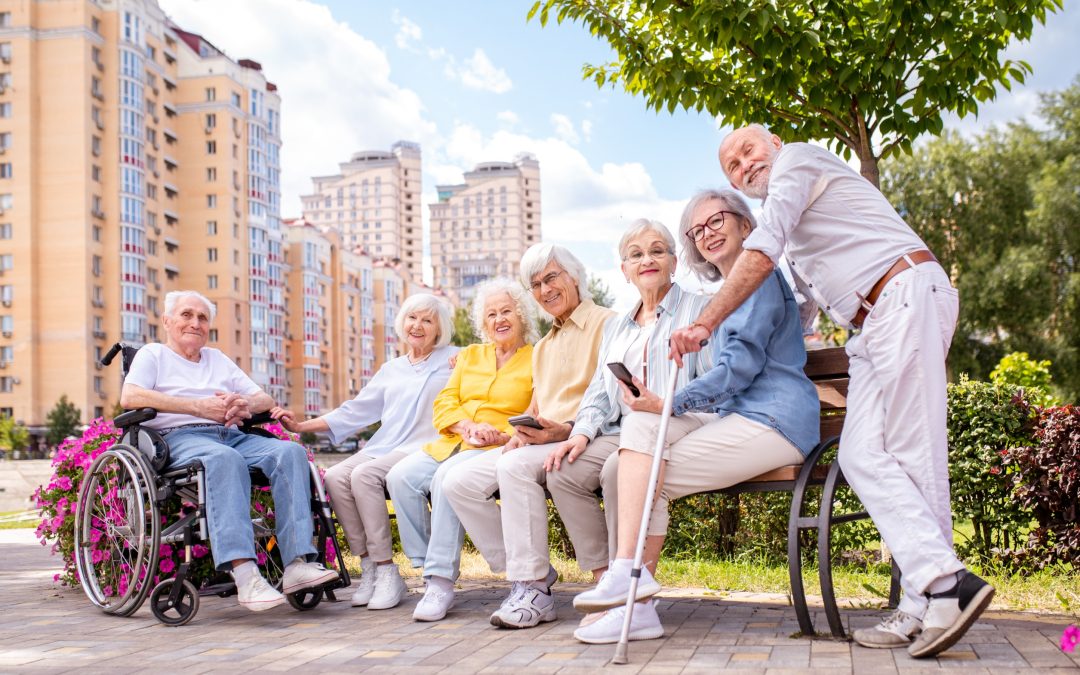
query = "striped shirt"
x=600 y=412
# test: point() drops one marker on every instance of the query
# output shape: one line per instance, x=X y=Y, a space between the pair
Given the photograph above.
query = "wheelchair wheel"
x=306 y=599
x=117 y=530
x=178 y=613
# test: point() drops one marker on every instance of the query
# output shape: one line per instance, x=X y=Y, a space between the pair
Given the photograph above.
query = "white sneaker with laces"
x=303 y=575
x=516 y=589
x=390 y=588
x=525 y=609
x=434 y=605
x=257 y=595
x=896 y=630
x=365 y=586
x=614 y=587
x=644 y=625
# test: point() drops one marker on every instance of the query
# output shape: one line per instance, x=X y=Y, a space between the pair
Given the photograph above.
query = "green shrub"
x=1046 y=476
x=1019 y=370
x=985 y=420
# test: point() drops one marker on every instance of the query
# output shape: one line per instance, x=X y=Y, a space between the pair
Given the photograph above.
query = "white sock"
x=243 y=572
x=942 y=584
x=442 y=583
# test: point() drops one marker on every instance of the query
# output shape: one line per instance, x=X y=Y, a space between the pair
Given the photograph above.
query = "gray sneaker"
x=896 y=630
x=525 y=609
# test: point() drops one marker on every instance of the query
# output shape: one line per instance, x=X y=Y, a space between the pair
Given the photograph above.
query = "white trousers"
x=893 y=448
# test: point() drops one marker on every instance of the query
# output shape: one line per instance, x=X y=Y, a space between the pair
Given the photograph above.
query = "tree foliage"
x=599 y=291
x=13 y=436
x=464 y=331
x=850 y=73
x=62 y=421
x=1000 y=212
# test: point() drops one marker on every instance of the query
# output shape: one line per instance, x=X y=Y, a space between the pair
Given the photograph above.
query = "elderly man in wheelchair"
x=201 y=397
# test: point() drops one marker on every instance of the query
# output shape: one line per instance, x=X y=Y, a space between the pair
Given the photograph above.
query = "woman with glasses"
x=753 y=411
x=638 y=340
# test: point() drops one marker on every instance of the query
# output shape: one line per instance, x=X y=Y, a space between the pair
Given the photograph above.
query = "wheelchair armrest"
x=256 y=419
x=132 y=417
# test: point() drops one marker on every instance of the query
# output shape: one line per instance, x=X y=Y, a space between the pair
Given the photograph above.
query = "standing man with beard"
x=859 y=261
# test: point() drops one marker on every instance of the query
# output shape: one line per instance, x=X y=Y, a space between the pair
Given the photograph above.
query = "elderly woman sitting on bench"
x=201 y=396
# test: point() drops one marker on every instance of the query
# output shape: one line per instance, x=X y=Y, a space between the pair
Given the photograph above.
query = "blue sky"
x=473 y=81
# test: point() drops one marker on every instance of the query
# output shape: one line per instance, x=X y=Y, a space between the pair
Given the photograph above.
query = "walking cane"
x=639 y=552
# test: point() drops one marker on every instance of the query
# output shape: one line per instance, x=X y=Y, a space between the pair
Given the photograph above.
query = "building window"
x=151 y=246
x=95 y=265
x=213 y=335
x=211 y=147
x=95 y=232
x=95 y=173
x=211 y=120
x=211 y=94
x=211 y=201
x=7 y=323
x=7 y=384
x=5 y=140
x=211 y=227
x=5 y=230
x=211 y=254
x=211 y=174
x=5 y=110
x=211 y=281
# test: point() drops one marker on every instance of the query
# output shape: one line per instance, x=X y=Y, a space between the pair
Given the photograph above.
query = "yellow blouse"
x=479 y=392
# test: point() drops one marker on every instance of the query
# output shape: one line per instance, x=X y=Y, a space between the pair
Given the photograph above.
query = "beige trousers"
x=512 y=534
x=357 y=493
x=704 y=453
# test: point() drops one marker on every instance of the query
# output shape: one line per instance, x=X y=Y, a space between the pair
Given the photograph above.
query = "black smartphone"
x=525 y=421
x=623 y=375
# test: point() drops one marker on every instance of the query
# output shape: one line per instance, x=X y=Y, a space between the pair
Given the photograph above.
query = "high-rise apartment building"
x=481 y=228
x=135 y=158
x=375 y=203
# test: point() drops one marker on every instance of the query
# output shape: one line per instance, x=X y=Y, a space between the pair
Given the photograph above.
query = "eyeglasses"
x=715 y=223
x=655 y=253
x=547 y=280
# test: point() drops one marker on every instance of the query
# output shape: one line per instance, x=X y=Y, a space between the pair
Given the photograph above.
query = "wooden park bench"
x=828 y=370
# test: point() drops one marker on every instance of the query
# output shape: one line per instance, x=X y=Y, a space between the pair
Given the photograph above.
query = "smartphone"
x=525 y=421
x=623 y=375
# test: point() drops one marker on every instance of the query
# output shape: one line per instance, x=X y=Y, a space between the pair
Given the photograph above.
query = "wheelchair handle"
x=111 y=354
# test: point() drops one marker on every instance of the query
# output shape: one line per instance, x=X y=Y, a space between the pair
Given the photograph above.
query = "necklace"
x=421 y=359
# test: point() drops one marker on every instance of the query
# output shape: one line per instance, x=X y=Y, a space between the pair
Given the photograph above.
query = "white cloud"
x=336 y=88
x=507 y=118
x=564 y=128
x=478 y=72
x=586 y=130
x=408 y=34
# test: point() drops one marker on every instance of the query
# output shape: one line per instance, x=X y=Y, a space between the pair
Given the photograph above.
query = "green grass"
x=8 y=520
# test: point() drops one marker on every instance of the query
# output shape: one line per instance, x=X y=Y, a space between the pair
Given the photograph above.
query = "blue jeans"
x=226 y=454
x=431 y=540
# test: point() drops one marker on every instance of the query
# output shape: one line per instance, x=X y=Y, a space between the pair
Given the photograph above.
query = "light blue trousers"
x=431 y=539
x=226 y=454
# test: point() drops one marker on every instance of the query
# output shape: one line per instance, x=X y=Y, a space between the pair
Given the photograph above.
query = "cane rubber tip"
x=620 y=654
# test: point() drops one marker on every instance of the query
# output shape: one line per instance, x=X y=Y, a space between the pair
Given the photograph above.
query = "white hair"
x=523 y=304
x=642 y=225
x=426 y=302
x=731 y=201
x=539 y=255
x=173 y=297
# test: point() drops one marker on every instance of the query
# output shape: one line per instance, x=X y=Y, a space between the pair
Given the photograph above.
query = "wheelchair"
x=120 y=527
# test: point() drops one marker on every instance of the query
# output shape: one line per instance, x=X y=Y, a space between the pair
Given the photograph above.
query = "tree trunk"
x=868 y=167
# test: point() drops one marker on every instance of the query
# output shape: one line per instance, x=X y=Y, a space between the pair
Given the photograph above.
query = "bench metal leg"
x=796 y=523
x=825 y=521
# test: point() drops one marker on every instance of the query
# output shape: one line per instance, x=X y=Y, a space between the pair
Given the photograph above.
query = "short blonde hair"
x=426 y=302
x=642 y=225
x=523 y=303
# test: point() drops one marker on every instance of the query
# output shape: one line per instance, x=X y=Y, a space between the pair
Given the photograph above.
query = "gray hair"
x=173 y=297
x=523 y=303
x=426 y=302
x=539 y=255
x=642 y=225
x=731 y=201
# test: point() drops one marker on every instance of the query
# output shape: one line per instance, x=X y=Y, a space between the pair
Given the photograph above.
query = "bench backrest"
x=828 y=370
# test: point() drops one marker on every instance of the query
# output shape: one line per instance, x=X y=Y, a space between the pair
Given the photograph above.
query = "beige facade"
x=340 y=318
x=375 y=203
x=111 y=195
x=481 y=228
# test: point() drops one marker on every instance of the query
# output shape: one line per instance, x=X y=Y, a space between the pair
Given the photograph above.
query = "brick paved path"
x=47 y=628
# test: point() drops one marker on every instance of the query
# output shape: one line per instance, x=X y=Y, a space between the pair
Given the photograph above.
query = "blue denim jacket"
x=759 y=368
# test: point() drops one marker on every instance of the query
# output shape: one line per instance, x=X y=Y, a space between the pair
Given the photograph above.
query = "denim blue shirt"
x=759 y=368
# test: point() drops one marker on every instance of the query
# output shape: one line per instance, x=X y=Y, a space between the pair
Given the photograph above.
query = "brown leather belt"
x=917 y=257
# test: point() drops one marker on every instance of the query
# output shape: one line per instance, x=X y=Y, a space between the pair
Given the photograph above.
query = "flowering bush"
x=57 y=501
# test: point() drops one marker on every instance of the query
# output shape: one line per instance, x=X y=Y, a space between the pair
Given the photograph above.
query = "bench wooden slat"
x=831 y=426
x=790 y=472
x=832 y=393
x=827 y=363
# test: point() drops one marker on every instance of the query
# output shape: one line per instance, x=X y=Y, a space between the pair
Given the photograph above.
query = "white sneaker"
x=390 y=588
x=644 y=625
x=526 y=608
x=896 y=630
x=614 y=587
x=303 y=575
x=950 y=614
x=365 y=586
x=434 y=605
x=257 y=595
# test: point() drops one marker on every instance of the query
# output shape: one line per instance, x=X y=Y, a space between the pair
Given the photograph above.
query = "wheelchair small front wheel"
x=170 y=613
x=306 y=599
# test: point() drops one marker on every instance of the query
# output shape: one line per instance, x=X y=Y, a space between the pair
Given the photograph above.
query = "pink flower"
x=1070 y=638
x=199 y=551
x=166 y=565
